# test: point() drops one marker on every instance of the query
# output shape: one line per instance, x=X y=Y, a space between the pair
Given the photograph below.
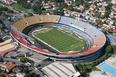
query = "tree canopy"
x=23 y=59
x=24 y=3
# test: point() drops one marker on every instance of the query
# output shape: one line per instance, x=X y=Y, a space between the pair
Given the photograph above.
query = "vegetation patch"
x=19 y=7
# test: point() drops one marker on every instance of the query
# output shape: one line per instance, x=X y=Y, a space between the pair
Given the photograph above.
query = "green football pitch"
x=59 y=40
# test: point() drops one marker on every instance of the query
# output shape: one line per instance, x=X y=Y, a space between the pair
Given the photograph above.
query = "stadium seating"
x=89 y=29
x=82 y=24
x=50 y=18
x=96 y=38
x=22 y=24
x=17 y=35
x=93 y=32
x=101 y=42
x=74 y=30
x=66 y=20
x=70 y=21
x=40 y=50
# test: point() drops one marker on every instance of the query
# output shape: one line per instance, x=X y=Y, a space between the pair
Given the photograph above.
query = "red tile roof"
x=3 y=68
x=6 y=63
x=11 y=66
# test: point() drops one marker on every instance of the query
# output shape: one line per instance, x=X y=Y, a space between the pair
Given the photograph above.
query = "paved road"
x=13 y=60
x=9 y=7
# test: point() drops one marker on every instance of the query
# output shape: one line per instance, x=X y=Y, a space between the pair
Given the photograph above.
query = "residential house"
x=10 y=67
x=7 y=66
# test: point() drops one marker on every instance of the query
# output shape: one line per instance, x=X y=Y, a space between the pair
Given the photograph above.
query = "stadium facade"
x=93 y=35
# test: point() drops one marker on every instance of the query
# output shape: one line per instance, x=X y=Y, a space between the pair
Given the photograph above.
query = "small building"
x=19 y=75
x=5 y=65
x=10 y=67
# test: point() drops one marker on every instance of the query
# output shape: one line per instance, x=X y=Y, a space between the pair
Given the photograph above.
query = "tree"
x=1 y=70
x=55 y=12
x=31 y=75
x=25 y=70
x=70 y=8
x=30 y=14
x=24 y=3
x=108 y=10
x=13 y=57
x=108 y=49
x=37 y=8
x=1 y=40
x=114 y=49
x=23 y=59
x=2 y=75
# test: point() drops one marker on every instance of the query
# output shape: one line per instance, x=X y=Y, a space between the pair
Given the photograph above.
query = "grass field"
x=19 y=8
x=59 y=40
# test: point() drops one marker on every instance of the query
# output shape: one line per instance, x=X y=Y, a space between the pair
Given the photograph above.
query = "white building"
x=19 y=75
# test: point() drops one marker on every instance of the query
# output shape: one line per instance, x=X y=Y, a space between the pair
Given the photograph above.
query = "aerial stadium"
x=59 y=37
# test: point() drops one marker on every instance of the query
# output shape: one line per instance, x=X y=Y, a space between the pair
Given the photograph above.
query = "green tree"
x=25 y=70
x=23 y=59
x=1 y=40
x=2 y=75
x=31 y=75
x=37 y=8
x=108 y=49
x=55 y=12
x=108 y=10
x=1 y=70
x=24 y=3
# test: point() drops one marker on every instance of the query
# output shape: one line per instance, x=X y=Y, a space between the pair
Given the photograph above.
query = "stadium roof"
x=23 y=23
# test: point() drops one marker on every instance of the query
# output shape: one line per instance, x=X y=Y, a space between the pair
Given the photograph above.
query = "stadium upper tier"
x=23 y=23
x=91 y=33
x=89 y=29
